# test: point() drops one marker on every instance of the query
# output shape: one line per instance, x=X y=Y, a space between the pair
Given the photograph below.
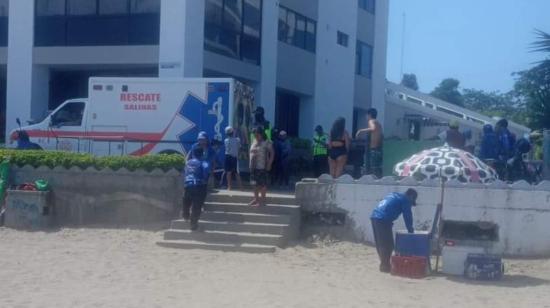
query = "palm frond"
x=543 y=43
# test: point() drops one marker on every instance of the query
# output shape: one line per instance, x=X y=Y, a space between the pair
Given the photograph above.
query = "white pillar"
x=379 y=58
x=546 y=154
x=27 y=85
x=181 y=38
x=267 y=87
x=335 y=64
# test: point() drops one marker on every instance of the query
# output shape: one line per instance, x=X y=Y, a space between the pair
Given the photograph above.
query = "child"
x=232 y=146
x=196 y=174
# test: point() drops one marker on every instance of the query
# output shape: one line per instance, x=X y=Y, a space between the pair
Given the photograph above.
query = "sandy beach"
x=125 y=268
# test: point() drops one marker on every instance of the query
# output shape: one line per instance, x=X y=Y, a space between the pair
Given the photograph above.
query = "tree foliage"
x=533 y=87
x=448 y=90
x=496 y=104
x=410 y=81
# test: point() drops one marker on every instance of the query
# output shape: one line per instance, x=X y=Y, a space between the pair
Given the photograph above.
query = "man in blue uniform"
x=382 y=218
x=195 y=180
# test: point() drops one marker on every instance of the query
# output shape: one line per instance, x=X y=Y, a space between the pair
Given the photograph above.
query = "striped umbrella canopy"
x=447 y=162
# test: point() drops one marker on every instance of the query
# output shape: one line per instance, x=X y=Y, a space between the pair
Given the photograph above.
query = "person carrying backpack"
x=195 y=180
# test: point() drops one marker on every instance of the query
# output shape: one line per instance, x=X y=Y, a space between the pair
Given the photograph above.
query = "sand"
x=124 y=268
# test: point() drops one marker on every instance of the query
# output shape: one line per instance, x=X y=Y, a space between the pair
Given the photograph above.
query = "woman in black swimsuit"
x=338 y=148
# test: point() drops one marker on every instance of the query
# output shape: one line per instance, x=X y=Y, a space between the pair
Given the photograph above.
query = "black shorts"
x=260 y=177
x=230 y=163
x=336 y=152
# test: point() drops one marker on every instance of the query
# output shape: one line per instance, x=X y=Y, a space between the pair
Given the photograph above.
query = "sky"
x=479 y=42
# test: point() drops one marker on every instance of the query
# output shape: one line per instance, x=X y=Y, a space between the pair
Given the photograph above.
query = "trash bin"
x=29 y=210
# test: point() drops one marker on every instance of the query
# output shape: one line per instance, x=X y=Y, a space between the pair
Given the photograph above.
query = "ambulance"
x=140 y=116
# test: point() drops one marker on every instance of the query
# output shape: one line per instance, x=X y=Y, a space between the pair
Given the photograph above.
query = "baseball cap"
x=319 y=129
x=282 y=133
x=228 y=130
x=453 y=124
x=202 y=136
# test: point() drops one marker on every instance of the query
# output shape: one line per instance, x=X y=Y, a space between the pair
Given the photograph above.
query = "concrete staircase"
x=228 y=223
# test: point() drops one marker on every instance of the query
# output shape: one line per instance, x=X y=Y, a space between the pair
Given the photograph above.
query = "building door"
x=287 y=113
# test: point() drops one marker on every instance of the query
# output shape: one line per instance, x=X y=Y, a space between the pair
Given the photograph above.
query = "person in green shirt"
x=320 y=152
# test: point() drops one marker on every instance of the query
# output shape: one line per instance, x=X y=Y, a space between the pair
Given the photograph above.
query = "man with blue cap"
x=382 y=218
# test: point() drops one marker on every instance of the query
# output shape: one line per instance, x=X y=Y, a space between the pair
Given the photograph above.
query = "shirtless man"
x=376 y=139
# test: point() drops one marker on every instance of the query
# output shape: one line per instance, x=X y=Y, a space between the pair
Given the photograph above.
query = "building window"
x=50 y=8
x=4 y=8
x=233 y=29
x=368 y=5
x=342 y=39
x=297 y=30
x=364 y=54
x=287 y=113
x=81 y=7
x=4 y=12
x=113 y=7
x=97 y=22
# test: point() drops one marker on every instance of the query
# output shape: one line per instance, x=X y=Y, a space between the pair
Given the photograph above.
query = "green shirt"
x=320 y=145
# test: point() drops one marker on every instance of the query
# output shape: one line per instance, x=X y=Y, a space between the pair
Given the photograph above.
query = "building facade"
x=309 y=61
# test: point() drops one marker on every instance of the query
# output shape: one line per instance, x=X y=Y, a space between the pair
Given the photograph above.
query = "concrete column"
x=181 y=38
x=546 y=154
x=379 y=58
x=27 y=84
x=335 y=64
x=267 y=87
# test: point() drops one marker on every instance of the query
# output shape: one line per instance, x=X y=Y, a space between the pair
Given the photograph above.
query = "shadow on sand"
x=508 y=281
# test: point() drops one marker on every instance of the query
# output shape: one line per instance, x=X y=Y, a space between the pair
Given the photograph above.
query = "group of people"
x=334 y=149
x=500 y=148
x=269 y=154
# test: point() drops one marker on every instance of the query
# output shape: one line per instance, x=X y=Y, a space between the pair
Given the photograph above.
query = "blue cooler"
x=417 y=244
x=483 y=267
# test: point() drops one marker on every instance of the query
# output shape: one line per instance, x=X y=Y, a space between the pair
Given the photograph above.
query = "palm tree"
x=543 y=44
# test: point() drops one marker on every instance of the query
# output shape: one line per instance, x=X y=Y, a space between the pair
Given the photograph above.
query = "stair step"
x=224 y=237
x=247 y=248
x=245 y=217
x=246 y=197
x=272 y=209
x=248 y=227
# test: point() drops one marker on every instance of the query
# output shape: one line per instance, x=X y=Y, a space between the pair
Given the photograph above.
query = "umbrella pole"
x=439 y=222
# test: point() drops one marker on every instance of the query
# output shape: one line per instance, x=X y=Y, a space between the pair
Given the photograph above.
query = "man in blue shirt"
x=382 y=218
x=195 y=180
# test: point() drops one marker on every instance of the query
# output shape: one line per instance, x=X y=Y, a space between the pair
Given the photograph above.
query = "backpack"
x=194 y=173
x=507 y=143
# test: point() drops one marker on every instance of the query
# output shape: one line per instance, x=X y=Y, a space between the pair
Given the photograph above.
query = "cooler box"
x=416 y=244
x=409 y=267
x=454 y=258
x=484 y=267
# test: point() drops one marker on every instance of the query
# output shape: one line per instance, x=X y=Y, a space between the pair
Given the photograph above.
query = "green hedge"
x=68 y=160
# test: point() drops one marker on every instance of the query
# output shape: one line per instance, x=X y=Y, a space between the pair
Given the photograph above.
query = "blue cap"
x=202 y=136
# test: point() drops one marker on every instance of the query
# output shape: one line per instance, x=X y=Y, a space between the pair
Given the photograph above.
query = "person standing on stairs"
x=195 y=180
x=232 y=147
x=261 y=161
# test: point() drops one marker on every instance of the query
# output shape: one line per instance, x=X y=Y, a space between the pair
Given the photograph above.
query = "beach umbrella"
x=448 y=163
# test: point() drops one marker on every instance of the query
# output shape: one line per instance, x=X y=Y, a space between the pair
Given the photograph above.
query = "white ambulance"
x=139 y=116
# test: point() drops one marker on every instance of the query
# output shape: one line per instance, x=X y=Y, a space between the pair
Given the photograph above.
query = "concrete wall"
x=335 y=64
x=106 y=197
x=97 y=55
x=379 y=57
x=181 y=38
x=521 y=211
x=296 y=69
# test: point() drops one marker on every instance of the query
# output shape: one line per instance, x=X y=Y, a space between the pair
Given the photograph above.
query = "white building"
x=309 y=60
